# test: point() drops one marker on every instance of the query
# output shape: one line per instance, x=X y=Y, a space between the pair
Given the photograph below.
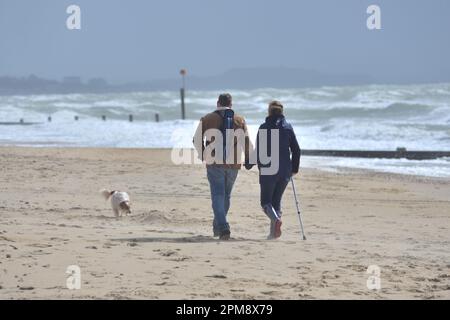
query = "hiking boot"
x=225 y=235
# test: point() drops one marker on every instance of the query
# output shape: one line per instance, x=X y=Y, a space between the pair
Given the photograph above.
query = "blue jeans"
x=221 y=181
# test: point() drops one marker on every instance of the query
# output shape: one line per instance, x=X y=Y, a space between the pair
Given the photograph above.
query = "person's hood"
x=277 y=121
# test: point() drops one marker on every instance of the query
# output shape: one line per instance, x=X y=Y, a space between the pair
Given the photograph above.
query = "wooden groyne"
x=22 y=122
x=400 y=153
x=19 y=123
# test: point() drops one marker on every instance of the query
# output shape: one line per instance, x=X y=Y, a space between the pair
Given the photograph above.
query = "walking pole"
x=298 y=208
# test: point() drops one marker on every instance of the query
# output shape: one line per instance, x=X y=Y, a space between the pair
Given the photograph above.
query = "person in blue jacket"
x=273 y=183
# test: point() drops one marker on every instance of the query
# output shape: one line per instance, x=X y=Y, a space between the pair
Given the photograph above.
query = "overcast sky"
x=139 y=40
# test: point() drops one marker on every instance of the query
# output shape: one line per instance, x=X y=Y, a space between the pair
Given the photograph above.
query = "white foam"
x=374 y=117
x=430 y=168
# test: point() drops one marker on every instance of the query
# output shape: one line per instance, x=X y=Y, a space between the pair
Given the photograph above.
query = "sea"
x=373 y=117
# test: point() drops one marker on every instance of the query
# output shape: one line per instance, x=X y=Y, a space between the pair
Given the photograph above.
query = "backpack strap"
x=227 y=124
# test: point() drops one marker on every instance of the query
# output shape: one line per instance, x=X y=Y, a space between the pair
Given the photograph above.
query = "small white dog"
x=120 y=201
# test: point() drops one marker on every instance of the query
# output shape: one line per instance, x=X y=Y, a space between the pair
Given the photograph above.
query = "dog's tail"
x=106 y=193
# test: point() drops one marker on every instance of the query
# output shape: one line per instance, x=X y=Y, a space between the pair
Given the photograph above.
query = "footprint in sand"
x=96 y=275
x=180 y=259
x=40 y=245
x=269 y=293
x=168 y=253
x=217 y=276
x=26 y=288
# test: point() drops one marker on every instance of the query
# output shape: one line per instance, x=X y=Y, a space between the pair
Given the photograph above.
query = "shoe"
x=225 y=235
x=216 y=233
x=277 y=229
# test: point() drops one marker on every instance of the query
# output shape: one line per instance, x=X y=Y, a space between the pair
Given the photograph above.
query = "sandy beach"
x=52 y=216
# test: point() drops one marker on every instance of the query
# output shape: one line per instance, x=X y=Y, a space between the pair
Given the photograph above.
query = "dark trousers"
x=272 y=190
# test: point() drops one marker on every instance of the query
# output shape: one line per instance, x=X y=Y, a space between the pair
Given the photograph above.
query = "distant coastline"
x=240 y=79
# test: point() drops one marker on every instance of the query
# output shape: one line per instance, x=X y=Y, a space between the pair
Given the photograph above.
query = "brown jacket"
x=214 y=120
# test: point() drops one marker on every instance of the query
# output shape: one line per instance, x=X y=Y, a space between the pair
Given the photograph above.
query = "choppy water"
x=376 y=117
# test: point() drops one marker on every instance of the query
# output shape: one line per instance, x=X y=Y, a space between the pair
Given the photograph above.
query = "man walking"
x=218 y=133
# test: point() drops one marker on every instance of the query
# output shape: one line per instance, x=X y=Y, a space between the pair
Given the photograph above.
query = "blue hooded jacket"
x=287 y=144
